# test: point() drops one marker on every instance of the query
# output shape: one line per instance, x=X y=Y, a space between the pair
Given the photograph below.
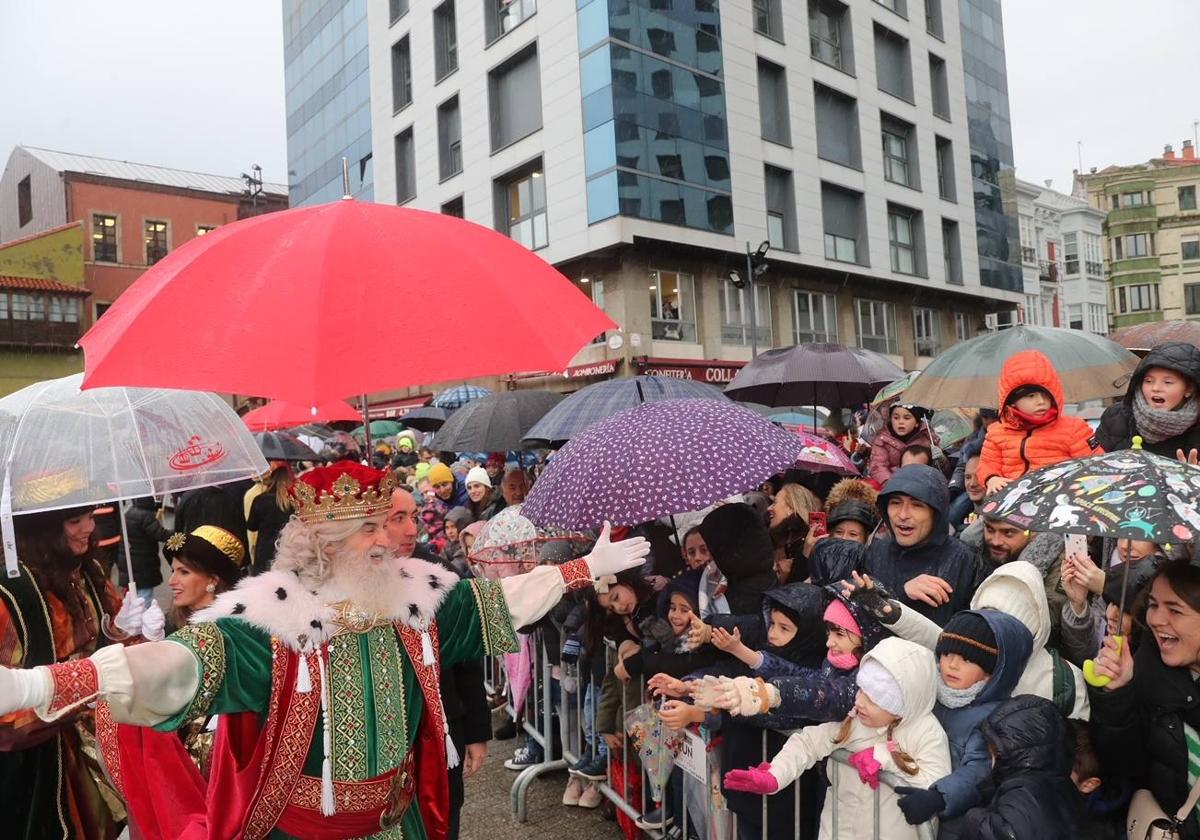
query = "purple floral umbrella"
x=659 y=459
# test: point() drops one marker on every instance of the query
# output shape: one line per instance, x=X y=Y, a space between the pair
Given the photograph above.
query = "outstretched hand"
x=871 y=596
x=758 y=780
x=611 y=558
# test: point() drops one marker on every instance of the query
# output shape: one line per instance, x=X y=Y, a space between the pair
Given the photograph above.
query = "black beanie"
x=969 y=635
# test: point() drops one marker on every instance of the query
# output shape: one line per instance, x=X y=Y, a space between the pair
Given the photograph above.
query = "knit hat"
x=420 y=471
x=1010 y=595
x=878 y=683
x=839 y=615
x=440 y=474
x=460 y=516
x=478 y=475
x=969 y=635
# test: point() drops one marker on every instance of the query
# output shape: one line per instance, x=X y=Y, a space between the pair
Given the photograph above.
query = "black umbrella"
x=281 y=446
x=495 y=423
x=813 y=374
x=427 y=418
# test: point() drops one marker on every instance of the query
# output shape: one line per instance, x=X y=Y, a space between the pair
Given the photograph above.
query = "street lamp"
x=756 y=267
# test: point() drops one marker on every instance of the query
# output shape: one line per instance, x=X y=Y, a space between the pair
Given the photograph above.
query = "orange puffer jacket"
x=1010 y=450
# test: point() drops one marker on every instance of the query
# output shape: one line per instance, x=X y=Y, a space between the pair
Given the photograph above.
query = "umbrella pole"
x=366 y=429
x=675 y=528
x=125 y=544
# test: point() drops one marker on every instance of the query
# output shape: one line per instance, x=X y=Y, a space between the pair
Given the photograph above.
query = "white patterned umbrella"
x=659 y=459
x=61 y=447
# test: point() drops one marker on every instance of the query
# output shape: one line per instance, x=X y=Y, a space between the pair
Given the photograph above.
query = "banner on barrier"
x=691 y=758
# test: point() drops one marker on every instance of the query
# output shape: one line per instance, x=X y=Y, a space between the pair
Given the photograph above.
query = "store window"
x=672 y=306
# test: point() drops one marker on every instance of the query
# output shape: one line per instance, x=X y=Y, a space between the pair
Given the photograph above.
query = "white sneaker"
x=591 y=797
x=573 y=792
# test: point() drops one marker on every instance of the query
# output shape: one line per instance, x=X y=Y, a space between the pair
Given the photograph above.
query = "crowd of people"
x=888 y=618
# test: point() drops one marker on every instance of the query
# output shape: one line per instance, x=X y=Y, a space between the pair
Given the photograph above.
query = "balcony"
x=1124 y=215
x=1048 y=271
x=39 y=334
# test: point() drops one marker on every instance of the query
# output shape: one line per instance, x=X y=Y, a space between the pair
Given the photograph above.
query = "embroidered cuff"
x=576 y=574
x=206 y=642
x=495 y=622
x=75 y=683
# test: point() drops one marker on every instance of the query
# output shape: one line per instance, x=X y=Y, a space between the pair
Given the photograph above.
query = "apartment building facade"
x=1152 y=236
x=644 y=147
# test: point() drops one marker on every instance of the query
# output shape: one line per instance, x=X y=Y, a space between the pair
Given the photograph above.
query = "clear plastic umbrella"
x=61 y=447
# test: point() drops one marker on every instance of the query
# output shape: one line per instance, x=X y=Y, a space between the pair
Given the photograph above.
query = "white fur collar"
x=277 y=603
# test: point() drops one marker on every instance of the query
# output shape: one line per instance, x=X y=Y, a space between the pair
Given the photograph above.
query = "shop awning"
x=712 y=371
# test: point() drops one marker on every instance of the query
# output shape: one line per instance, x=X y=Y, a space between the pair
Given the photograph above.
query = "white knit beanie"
x=878 y=683
x=1010 y=595
x=478 y=475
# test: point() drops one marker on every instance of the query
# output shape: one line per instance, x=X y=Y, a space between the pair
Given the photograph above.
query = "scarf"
x=956 y=698
x=842 y=661
x=1028 y=421
x=1156 y=425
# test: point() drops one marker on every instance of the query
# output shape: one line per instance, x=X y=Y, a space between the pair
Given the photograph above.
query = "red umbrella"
x=278 y=414
x=313 y=304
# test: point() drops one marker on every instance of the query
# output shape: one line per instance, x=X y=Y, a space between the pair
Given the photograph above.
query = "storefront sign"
x=712 y=371
x=606 y=368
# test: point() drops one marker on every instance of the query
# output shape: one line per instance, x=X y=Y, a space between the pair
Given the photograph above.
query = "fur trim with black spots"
x=278 y=603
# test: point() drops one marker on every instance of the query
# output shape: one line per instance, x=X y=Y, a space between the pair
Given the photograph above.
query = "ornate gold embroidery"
x=106 y=735
x=495 y=624
x=347 y=707
x=207 y=643
x=293 y=734
x=391 y=742
x=176 y=541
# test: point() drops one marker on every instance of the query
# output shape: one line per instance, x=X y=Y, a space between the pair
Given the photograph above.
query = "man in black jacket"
x=463 y=696
x=919 y=561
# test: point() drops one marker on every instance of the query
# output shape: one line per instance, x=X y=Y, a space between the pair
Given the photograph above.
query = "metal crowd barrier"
x=538 y=724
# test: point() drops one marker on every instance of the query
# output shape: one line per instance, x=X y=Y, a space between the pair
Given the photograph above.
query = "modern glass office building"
x=328 y=99
x=990 y=129
x=655 y=138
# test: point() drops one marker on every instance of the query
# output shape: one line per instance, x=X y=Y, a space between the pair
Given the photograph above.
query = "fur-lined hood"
x=279 y=604
x=850 y=489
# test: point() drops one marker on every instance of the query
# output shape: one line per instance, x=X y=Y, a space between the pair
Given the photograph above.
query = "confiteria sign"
x=715 y=371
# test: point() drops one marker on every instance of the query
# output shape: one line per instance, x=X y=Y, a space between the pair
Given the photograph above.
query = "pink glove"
x=868 y=768
x=755 y=780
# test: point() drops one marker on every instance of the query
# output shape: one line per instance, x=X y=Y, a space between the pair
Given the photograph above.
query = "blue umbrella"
x=458 y=396
x=604 y=399
x=656 y=460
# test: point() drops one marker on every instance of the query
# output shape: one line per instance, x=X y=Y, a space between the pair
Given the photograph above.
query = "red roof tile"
x=41 y=284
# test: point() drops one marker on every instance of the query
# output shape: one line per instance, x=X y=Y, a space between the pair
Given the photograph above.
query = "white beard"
x=370 y=580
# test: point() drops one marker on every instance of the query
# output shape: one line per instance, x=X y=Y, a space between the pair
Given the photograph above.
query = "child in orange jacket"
x=1032 y=432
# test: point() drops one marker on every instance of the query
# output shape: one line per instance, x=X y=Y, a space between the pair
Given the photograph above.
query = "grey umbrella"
x=427 y=418
x=281 y=446
x=495 y=423
x=813 y=374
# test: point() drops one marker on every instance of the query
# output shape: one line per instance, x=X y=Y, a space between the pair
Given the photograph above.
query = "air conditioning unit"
x=1003 y=320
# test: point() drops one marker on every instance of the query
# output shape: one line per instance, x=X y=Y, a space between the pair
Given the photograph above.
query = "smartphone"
x=1074 y=544
x=818 y=522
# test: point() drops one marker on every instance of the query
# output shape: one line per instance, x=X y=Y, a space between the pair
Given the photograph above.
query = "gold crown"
x=346 y=500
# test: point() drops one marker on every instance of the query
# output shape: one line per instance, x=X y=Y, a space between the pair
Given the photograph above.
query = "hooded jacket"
x=741 y=547
x=833 y=560
x=1030 y=793
x=1010 y=450
x=939 y=554
x=918 y=734
x=804 y=603
x=968 y=749
x=823 y=694
x=1016 y=588
x=1117 y=424
x=1044 y=550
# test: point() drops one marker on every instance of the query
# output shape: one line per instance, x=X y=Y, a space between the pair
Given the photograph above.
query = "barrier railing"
x=697 y=775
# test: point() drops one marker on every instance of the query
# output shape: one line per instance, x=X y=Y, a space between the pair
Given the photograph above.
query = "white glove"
x=154 y=623
x=705 y=692
x=24 y=688
x=129 y=619
x=610 y=558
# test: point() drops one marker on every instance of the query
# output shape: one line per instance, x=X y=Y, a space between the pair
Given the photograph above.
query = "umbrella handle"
x=1089 y=668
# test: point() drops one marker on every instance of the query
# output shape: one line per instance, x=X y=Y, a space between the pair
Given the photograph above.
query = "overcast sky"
x=200 y=86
